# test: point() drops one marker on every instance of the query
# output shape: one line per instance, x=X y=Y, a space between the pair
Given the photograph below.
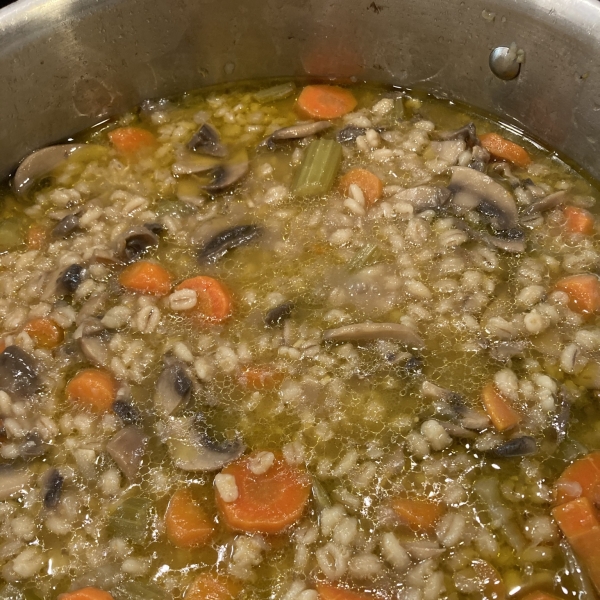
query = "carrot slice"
x=186 y=523
x=369 y=183
x=268 y=502
x=583 y=291
x=501 y=413
x=539 y=595
x=325 y=101
x=586 y=473
x=420 y=514
x=504 y=149
x=261 y=377
x=36 y=236
x=579 y=220
x=332 y=592
x=44 y=332
x=147 y=278
x=213 y=299
x=94 y=389
x=212 y=587
x=131 y=140
x=88 y=593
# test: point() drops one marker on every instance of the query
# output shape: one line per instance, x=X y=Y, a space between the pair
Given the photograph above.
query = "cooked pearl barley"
x=226 y=487
x=393 y=552
x=333 y=560
x=436 y=435
x=147 y=319
x=365 y=566
x=184 y=299
x=261 y=463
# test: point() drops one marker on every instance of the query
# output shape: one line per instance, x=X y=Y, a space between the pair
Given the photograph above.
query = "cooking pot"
x=66 y=64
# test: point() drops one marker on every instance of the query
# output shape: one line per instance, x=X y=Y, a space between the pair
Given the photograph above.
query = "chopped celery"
x=132 y=519
x=318 y=169
x=11 y=234
x=277 y=92
x=320 y=495
x=134 y=590
x=362 y=257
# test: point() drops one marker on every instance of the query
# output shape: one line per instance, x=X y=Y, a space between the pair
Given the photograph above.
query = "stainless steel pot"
x=66 y=64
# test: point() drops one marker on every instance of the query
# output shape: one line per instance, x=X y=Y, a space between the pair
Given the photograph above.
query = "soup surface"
x=272 y=341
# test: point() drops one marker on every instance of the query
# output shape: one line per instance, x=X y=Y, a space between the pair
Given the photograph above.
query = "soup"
x=273 y=341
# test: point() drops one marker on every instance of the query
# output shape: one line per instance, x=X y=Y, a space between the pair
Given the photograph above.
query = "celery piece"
x=320 y=495
x=134 y=590
x=131 y=519
x=11 y=234
x=318 y=169
x=362 y=257
x=277 y=92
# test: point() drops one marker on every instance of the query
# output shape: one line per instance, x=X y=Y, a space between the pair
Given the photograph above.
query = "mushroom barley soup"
x=299 y=343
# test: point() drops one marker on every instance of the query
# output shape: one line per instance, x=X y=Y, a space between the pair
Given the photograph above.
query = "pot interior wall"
x=67 y=64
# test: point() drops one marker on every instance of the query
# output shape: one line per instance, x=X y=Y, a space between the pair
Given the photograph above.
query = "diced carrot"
x=539 y=595
x=94 y=389
x=499 y=410
x=327 y=591
x=131 y=140
x=420 y=514
x=186 y=523
x=586 y=473
x=213 y=303
x=369 y=183
x=579 y=220
x=44 y=332
x=147 y=278
x=88 y=593
x=504 y=149
x=325 y=102
x=36 y=236
x=2 y=345
x=212 y=587
x=261 y=377
x=267 y=502
x=583 y=291
x=578 y=520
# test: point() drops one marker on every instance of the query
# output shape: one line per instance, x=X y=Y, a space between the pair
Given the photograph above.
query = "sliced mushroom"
x=296 y=132
x=207 y=141
x=127 y=412
x=32 y=446
x=70 y=279
x=511 y=240
x=53 y=486
x=476 y=191
x=276 y=316
x=195 y=451
x=40 y=163
x=95 y=350
x=127 y=449
x=362 y=332
x=547 y=203
x=173 y=387
x=227 y=240
x=505 y=171
x=229 y=173
x=519 y=446
x=189 y=163
x=480 y=157
x=503 y=351
x=13 y=481
x=457 y=431
x=66 y=226
x=133 y=244
x=156 y=228
x=18 y=372
x=467 y=133
x=424 y=197
x=350 y=133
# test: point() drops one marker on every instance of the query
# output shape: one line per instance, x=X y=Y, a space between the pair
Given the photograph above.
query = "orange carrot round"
x=325 y=102
x=147 y=278
x=501 y=413
x=213 y=303
x=94 y=389
x=212 y=587
x=87 y=593
x=268 y=502
x=44 y=332
x=504 y=149
x=583 y=291
x=578 y=220
x=369 y=183
x=420 y=514
x=327 y=591
x=131 y=140
x=261 y=377
x=36 y=237
x=186 y=523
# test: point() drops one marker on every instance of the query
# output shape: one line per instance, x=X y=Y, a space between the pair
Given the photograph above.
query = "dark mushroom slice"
x=40 y=163
x=363 y=332
x=296 y=132
x=173 y=387
x=349 y=133
x=53 y=487
x=66 y=226
x=207 y=141
x=518 y=446
x=473 y=190
x=424 y=197
x=511 y=240
x=277 y=315
x=228 y=174
x=457 y=431
x=480 y=157
x=32 y=446
x=192 y=450
x=127 y=412
x=503 y=351
x=70 y=279
x=133 y=244
x=188 y=164
x=467 y=133
x=18 y=372
x=227 y=240
x=546 y=203
x=504 y=170
x=127 y=449
x=156 y=228
x=13 y=480
x=95 y=350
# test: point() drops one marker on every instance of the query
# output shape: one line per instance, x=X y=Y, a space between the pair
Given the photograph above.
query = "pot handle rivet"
x=505 y=63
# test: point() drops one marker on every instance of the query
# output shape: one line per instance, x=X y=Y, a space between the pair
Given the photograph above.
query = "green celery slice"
x=362 y=257
x=318 y=169
x=277 y=92
x=131 y=519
